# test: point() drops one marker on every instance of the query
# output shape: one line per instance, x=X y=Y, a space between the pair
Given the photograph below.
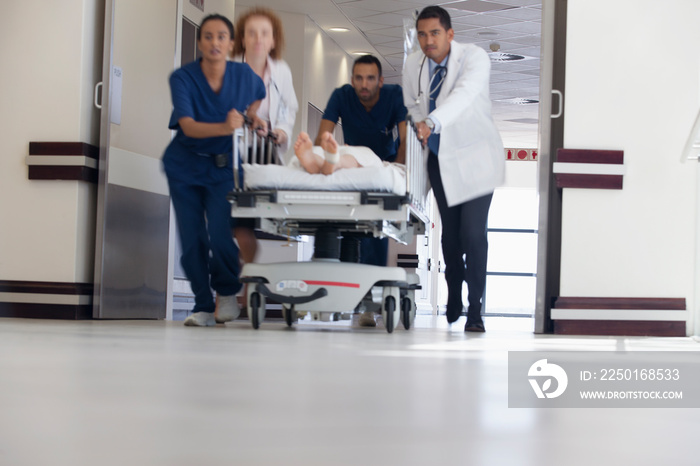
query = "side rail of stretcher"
x=296 y=212
x=261 y=150
x=416 y=176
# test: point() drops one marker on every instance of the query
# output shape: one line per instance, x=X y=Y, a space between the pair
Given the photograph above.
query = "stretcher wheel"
x=390 y=300
x=388 y=312
x=290 y=315
x=408 y=312
x=256 y=309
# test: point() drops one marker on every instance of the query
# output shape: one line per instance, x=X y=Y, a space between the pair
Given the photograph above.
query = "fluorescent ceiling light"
x=338 y=29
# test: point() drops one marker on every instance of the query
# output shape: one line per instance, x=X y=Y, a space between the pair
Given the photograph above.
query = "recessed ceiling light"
x=519 y=101
x=506 y=57
x=362 y=53
x=338 y=29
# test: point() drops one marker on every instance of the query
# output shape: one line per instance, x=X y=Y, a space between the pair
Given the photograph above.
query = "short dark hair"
x=368 y=60
x=213 y=17
x=434 y=11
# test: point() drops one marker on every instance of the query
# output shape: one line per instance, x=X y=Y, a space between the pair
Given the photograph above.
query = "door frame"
x=551 y=127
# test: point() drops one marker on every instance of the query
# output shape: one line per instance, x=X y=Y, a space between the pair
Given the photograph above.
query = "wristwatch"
x=430 y=124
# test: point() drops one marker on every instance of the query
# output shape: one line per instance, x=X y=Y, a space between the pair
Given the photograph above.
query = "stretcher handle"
x=249 y=123
x=237 y=136
x=265 y=291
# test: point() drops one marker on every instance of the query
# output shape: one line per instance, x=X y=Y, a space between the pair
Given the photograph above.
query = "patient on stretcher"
x=329 y=156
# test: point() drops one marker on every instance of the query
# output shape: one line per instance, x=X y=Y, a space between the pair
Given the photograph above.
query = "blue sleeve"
x=249 y=87
x=399 y=108
x=332 y=112
x=182 y=99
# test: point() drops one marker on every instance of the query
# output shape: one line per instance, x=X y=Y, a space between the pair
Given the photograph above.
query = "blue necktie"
x=435 y=86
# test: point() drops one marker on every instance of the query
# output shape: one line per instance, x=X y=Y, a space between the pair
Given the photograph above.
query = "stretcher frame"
x=323 y=285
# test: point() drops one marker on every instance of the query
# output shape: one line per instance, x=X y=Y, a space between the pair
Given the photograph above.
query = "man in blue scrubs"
x=373 y=115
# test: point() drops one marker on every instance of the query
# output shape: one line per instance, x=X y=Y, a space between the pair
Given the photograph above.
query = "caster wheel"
x=408 y=312
x=391 y=296
x=290 y=315
x=256 y=309
x=389 y=313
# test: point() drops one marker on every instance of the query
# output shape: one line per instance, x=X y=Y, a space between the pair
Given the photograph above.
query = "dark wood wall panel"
x=45 y=310
x=663 y=328
x=590 y=156
x=570 y=180
x=671 y=304
x=630 y=328
x=49 y=171
x=64 y=148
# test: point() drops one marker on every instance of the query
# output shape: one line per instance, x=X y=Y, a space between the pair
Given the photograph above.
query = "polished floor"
x=159 y=393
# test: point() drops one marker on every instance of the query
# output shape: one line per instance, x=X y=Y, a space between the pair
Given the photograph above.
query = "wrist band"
x=332 y=157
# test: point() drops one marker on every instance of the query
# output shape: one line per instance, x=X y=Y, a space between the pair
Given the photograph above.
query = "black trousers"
x=374 y=251
x=464 y=244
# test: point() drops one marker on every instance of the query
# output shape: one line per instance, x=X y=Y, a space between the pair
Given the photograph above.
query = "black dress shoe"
x=474 y=327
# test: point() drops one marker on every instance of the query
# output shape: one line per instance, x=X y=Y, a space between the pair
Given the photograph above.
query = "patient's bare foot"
x=330 y=145
x=303 y=149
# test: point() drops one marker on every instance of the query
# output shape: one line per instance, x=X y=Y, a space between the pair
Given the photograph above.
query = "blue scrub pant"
x=209 y=255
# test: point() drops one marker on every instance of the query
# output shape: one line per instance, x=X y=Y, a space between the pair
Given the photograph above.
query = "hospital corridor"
x=349 y=232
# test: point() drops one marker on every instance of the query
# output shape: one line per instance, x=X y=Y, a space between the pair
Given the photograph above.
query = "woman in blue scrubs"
x=209 y=97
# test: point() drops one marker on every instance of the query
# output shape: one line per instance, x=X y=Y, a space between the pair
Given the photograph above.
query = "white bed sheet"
x=389 y=178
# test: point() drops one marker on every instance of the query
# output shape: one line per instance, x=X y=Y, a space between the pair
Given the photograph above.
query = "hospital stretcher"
x=335 y=209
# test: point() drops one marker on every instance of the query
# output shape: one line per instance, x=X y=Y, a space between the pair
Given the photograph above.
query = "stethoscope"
x=430 y=83
x=272 y=85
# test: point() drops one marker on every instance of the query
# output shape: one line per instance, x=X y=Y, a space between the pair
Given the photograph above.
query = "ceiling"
x=377 y=26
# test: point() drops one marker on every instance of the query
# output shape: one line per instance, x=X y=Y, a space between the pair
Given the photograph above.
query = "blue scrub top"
x=193 y=97
x=374 y=129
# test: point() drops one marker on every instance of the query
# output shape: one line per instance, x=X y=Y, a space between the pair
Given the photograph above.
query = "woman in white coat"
x=446 y=90
x=259 y=41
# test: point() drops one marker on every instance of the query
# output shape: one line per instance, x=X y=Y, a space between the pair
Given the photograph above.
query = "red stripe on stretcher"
x=320 y=283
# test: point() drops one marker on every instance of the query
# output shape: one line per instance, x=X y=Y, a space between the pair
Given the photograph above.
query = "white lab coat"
x=471 y=155
x=283 y=100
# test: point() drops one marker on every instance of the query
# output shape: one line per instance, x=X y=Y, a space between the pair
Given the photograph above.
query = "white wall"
x=293 y=54
x=46 y=97
x=326 y=66
x=222 y=7
x=521 y=174
x=632 y=83
x=47 y=227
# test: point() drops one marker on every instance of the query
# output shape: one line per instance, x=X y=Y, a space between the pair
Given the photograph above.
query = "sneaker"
x=367 y=319
x=200 y=319
x=227 y=308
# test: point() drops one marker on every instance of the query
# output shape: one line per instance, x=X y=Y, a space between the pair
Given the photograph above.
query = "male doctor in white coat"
x=446 y=90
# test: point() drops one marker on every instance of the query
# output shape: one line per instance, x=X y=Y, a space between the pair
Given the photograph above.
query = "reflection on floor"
x=159 y=393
